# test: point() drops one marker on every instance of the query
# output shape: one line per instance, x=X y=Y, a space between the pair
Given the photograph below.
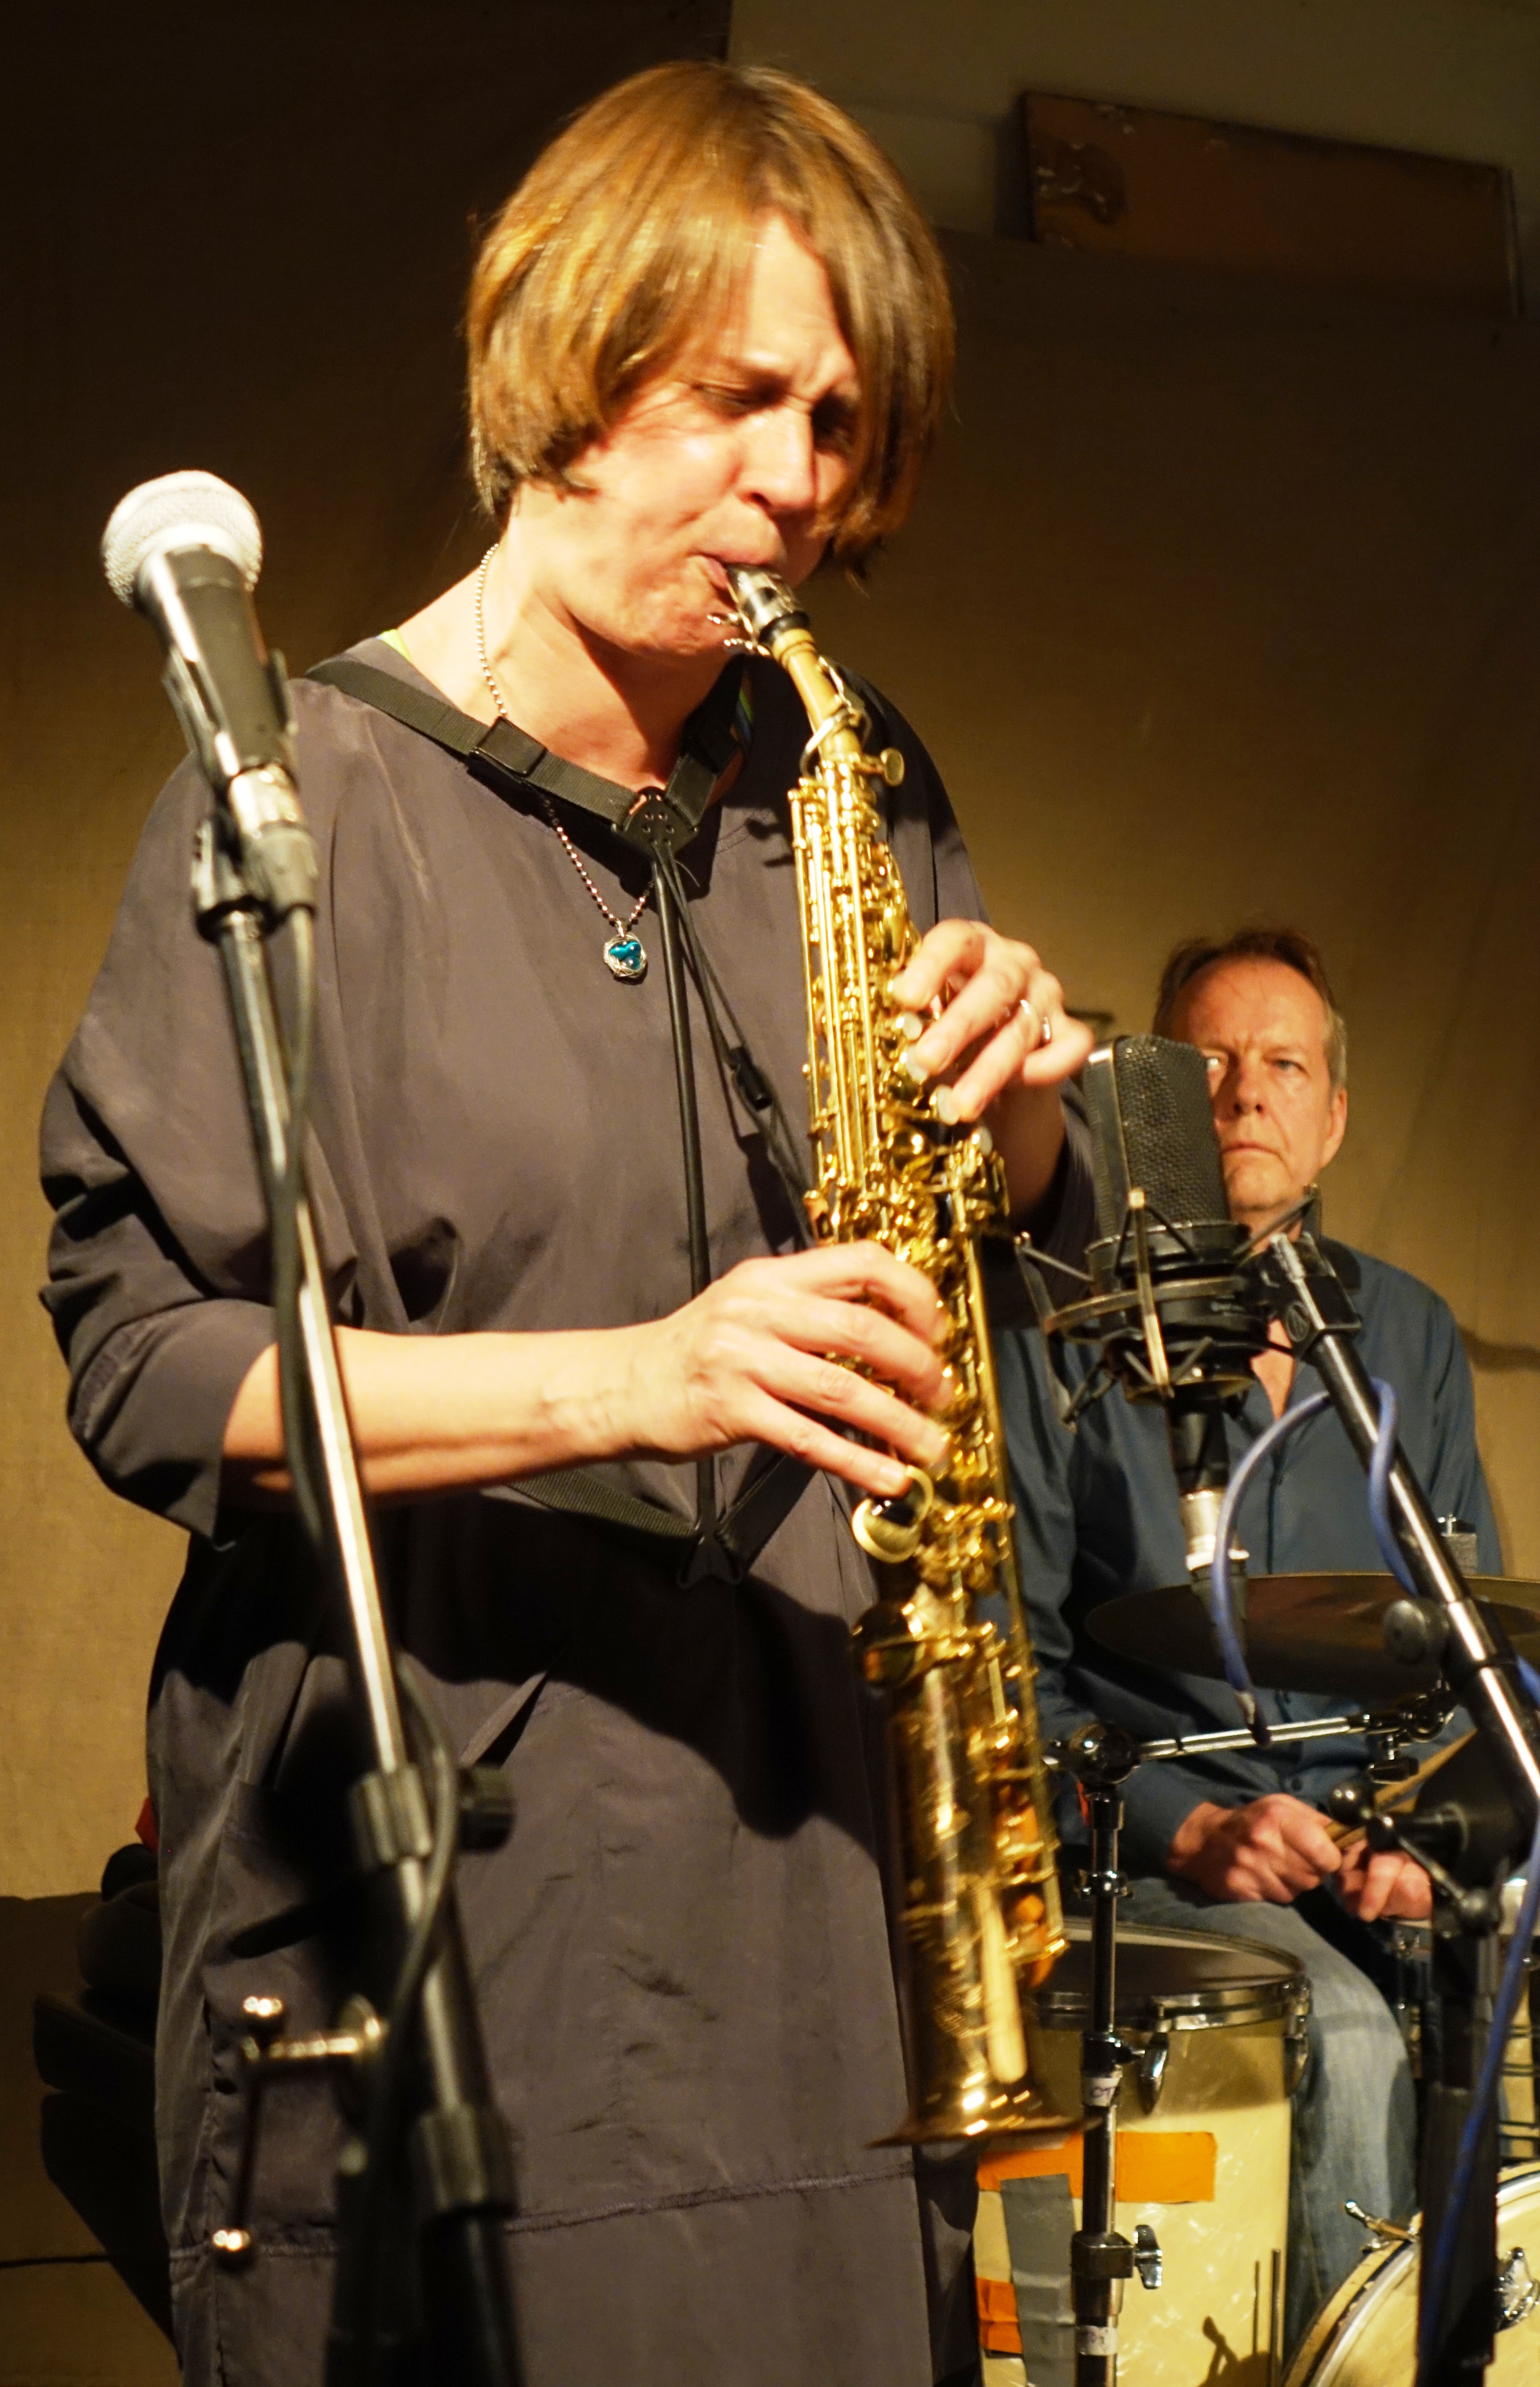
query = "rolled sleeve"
x=151 y=1409
x=156 y=1354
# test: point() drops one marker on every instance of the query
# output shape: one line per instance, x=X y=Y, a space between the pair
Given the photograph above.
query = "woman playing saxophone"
x=709 y=330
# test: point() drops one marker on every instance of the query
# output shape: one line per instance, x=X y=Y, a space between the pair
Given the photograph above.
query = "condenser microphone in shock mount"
x=1170 y=1306
x=185 y=550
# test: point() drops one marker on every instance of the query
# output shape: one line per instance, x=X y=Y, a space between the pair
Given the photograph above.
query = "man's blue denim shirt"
x=1097 y=1516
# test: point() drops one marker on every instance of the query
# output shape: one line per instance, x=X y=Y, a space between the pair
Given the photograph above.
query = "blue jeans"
x=1354 y=2121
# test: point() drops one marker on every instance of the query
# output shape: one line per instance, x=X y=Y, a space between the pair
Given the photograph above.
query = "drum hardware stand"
x=1387 y=1732
x=1444 y=1623
x=1480 y=2299
x=1472 y=1651
x=461 y=2314
x=1100 y=1757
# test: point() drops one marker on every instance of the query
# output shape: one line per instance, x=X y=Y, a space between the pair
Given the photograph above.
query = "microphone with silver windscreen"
x=185 y=550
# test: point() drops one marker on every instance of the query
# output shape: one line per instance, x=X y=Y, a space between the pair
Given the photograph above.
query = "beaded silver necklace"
x=624 y=954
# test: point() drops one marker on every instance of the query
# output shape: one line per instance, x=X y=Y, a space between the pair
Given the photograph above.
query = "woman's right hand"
x=757 y=1358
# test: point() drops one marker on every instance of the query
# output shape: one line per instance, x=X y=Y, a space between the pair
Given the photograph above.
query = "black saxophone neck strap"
x=504 y=756
x=659 y=823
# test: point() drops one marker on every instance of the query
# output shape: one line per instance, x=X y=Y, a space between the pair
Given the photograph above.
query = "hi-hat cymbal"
x=1303 y=1632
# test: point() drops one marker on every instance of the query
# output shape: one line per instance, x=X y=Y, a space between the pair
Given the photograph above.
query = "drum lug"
x=1296 y=2049
x=1149 y=2262
x=1517 y=2293
x=1152 y=2073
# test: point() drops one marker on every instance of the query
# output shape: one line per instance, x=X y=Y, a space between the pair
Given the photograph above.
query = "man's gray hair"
x=1290 y=946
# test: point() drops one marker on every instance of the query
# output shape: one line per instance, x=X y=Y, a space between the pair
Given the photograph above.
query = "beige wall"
x=1214 y=608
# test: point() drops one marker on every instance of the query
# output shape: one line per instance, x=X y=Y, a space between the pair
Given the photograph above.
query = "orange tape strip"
x=999 y=2331
x=1153 y=2166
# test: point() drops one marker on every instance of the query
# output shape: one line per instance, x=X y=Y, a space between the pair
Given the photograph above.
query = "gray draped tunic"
x=681 y=1954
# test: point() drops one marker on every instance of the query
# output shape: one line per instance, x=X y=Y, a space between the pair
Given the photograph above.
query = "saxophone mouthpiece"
x=764 y=602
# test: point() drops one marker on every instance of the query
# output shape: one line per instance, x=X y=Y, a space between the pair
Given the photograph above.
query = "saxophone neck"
x=775 y=623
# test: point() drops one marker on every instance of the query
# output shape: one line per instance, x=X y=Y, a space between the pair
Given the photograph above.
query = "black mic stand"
x=1460 y=1854
x=1100 y=1757
x=458 y=2312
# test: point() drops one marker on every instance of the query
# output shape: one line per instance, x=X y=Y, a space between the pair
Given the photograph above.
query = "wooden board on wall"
x=1138 y=182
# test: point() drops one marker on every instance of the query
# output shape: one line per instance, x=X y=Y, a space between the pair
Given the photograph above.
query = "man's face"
x=1262 y=1029
x=729 y=458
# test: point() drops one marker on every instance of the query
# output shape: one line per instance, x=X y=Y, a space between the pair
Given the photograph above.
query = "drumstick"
x=1397 y=1794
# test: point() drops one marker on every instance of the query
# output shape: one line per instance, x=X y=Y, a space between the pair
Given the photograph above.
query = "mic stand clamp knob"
x=1148 y=2260
x=1414 y=1634
x=266 y=2055
x=1351 y=1802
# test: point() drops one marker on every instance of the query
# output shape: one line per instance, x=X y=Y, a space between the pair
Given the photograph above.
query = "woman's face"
x=730 y=458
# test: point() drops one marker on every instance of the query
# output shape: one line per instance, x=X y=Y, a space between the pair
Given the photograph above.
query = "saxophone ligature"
x=978 y=1896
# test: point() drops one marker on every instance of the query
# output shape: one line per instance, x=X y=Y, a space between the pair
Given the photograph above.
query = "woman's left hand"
x=1003 y=1041
x=1004 y=1024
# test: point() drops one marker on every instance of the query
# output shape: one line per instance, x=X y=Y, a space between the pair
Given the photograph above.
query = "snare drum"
x=1218 y=2029
x=1366 y=2336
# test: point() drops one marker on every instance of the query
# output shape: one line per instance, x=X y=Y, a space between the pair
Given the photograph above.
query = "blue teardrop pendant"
x=626 y=956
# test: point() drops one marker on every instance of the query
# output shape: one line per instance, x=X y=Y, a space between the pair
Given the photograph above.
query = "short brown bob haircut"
x=1290 y=946
x=628 y=242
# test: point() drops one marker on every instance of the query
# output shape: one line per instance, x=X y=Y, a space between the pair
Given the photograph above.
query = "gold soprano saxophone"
x=979 y=1896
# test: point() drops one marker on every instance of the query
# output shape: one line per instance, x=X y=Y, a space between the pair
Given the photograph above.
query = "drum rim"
x=1345 y=2310
x=1213 y=2007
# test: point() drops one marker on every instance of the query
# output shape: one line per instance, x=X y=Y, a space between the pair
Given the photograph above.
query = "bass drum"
x=1367 y=2335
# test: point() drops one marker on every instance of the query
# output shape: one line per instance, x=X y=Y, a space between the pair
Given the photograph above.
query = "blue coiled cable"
x=1226 y=1633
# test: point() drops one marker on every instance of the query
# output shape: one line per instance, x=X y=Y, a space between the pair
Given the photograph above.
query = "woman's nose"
x=780 y=463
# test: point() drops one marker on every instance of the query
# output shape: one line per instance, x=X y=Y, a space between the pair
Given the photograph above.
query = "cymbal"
x=1303 y=1632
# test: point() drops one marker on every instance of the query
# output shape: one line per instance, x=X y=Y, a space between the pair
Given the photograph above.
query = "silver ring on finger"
x=1043 y=1028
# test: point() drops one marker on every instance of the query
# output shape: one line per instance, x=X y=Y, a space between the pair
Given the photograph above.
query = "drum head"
x=1173 y=1981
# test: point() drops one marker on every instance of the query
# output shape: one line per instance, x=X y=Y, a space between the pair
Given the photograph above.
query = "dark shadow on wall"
x=1499 y=1359
x=247 y=236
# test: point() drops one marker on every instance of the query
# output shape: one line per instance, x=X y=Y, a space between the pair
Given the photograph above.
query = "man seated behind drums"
x=1237 y=1842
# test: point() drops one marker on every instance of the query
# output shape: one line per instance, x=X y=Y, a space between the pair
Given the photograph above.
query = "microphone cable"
x=1226 y=1627
x=286 y=1193
x=1226 y=1624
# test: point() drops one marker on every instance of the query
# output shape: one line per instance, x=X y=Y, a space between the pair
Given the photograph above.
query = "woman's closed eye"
x=731 y=397
x=833 y=426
